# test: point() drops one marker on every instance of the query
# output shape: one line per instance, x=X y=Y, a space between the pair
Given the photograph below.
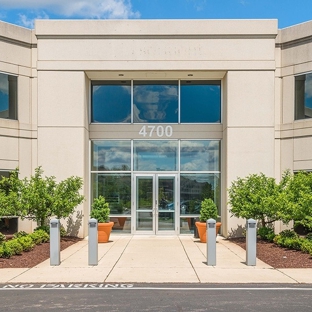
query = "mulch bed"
x=37 y=255
x=278 y=257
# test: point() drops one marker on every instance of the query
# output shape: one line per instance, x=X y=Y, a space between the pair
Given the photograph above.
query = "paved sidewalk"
x=154 y=259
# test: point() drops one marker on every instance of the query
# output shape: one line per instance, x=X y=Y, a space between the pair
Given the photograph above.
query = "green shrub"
x=100 y=210
x=289 y=234
x=208 y=210
x=20 y=234
x=39 y=236
x=309 y=236
x=266 y=233
x=5 y=251
x=2 y=238
x=277 y=239
x=62 y=231
x=45 y=228
x=306 y=246
x=26 y=242
x=293 y=243
x=15 y=246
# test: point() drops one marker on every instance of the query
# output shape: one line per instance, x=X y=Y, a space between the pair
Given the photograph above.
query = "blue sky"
x=23 y=12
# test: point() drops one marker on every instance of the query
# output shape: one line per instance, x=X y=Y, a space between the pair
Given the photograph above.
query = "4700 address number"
x=159 y=131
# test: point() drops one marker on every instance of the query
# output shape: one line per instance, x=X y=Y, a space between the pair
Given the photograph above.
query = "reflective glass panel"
x=8 y=96
x=155 y=101
x=187 y=225
x=166 y=203
x=111 y=102
x=116 y=188
x=111 y=155
x=200 y=102
x=144 y=204
x=194 y=188
x=303 y=96
x=200 y=155
x=155 y=155
x=121 y=224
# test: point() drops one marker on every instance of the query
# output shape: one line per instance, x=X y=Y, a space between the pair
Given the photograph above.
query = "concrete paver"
x=154 y=259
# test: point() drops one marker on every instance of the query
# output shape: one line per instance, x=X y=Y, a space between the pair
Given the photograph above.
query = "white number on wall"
x=159 y=131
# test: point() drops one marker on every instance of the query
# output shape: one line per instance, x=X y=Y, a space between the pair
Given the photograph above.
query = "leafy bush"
x=100 y=210
x=62 y=231
x=306 y=246
x=309 y=236
x=15 y=246
x=26 y=242
x=293 y=243
x=20 y=234
x=208 y=210
x=5 y=251
x=266 y=233
x=289 y=234
x=45 y=228
x=39 y=236
x=2 y=238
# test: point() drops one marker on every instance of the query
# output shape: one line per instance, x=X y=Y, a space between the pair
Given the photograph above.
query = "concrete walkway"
x=154 y=259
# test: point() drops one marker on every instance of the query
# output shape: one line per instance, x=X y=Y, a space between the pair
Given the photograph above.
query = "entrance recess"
x=155 y=204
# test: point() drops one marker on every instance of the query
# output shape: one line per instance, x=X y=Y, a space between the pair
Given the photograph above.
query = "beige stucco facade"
x=255 y=61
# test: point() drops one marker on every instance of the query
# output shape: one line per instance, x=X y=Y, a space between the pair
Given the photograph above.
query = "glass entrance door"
x=155 y=204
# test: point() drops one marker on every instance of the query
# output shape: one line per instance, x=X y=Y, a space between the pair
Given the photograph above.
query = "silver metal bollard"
x=251 y=242
x=211 y=242
x=55 y=242
x=93 y=242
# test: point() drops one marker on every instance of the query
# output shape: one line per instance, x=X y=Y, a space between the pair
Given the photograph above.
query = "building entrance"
x=155 y=204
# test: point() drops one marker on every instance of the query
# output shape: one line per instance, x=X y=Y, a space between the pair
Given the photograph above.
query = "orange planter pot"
x=202 y=229
x=104 y=230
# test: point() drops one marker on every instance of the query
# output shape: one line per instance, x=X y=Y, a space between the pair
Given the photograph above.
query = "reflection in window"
x=111 y=101
x=116 y=188
x=155 y=155
x=8 y=96
x=303 y=96
x=155 y=101
x=111 y=155
x=194 y=188
x=200 y=155
x=200 y=101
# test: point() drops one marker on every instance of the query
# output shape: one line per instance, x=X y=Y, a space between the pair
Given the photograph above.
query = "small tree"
x=258 y=197
x=67 y=197
x=37 y=197
x=43 y=197
x=299 y=199
x=10 y=194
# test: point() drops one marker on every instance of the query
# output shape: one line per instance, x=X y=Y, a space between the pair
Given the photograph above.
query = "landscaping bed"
x=276 y=256
x=35 y=256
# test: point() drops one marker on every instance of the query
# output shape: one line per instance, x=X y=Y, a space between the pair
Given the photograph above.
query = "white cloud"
x=81 y=9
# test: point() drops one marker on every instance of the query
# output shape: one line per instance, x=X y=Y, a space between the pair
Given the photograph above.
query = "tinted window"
x=8 y=96
x=155 y=101
x=200 y=101
x=111 y=101
x=200 y=155
x=111 y=155
x=155 y=155
x=116 y=188
x=303 y=96
x=194 y=188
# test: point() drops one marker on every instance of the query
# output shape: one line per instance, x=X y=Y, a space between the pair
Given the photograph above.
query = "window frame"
x=12 y=107
x=218 y=82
